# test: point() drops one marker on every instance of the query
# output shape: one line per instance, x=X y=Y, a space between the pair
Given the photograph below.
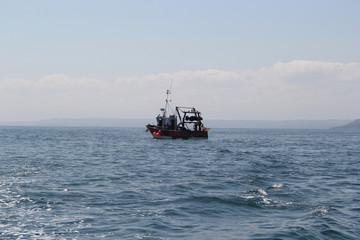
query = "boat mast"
x=167 y=105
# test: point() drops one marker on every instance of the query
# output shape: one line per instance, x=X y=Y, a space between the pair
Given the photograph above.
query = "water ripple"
x=118 y=183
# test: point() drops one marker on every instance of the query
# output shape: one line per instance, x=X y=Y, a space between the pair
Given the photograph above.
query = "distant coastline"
x=115 y=122
x=351 y=125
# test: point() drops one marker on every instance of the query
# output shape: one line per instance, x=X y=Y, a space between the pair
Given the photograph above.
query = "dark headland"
x=351 y=125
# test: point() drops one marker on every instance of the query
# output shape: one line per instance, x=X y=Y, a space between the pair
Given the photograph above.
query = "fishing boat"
x=184 y=122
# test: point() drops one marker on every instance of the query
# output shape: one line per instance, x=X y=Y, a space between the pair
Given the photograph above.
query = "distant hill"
x=351 y=125
x=81 y=122
x=277 y=124
x=114 y=122
x=93 y=122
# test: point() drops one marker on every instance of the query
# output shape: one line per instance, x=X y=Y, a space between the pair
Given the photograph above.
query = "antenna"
x=171 y=84
x=171 y=89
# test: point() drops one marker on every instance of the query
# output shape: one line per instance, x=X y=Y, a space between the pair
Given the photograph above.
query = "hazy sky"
x=238 y=59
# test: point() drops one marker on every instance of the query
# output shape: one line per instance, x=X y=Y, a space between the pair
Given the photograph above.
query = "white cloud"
x=294 y=90
x=339 y=71
x=61 y=82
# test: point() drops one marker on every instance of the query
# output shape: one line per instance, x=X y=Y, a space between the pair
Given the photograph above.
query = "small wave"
x=262 y=192
x=248 y=196
x=224 y=151
x=321 y=210
x=266 y=201
x=211 y=199
x=261 y=198
x=258 y=192
x=279 y=185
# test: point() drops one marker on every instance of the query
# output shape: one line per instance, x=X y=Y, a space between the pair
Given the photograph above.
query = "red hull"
x=180 y=133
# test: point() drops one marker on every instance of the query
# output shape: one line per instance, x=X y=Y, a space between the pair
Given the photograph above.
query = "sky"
x=246 y=60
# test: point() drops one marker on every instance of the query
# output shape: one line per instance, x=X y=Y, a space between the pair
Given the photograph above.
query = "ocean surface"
x=120 y=183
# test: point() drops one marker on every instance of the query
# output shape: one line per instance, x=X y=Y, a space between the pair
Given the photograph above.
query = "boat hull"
x=159 y=133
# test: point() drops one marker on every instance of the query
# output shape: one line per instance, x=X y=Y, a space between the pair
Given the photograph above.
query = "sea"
x=120 y=183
